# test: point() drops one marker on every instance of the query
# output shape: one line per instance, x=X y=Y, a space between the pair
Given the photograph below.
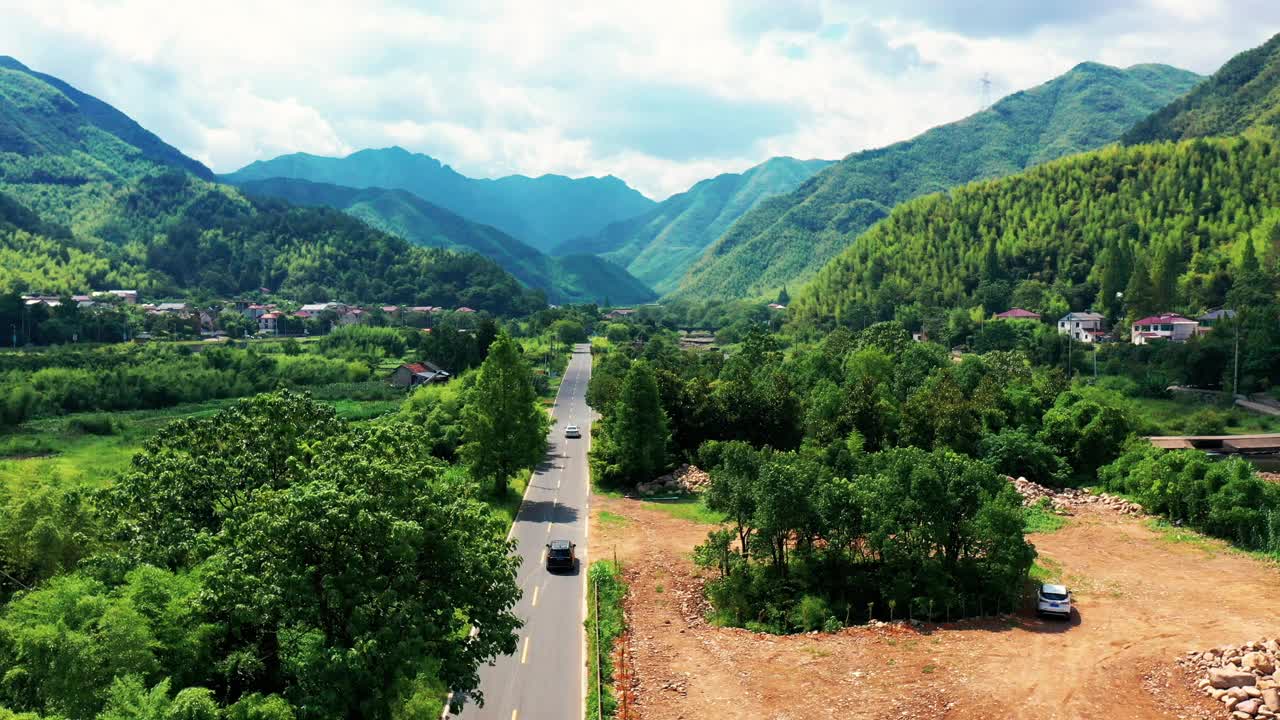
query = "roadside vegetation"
x=1225 y=499
x=604 y=626
x=862 y=475
x=153 y=521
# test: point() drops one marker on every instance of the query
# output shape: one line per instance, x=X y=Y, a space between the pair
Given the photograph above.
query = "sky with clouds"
x=661 y=93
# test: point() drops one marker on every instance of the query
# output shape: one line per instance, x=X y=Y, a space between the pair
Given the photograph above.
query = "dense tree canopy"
x=269 y=561
x=1164 y=225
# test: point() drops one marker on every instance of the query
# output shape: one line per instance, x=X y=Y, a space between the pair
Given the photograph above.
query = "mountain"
x=91 y=200
x=1164 y=224
x=659 y=245
x=405 y=215
x=540 y=211
x=786 y=239
x=1244 y=95
x=42 y=116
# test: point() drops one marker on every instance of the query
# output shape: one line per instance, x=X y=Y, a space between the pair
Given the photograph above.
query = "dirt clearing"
x=1145 y=595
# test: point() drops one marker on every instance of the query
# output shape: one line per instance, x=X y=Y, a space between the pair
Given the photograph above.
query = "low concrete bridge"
x=1220 y=444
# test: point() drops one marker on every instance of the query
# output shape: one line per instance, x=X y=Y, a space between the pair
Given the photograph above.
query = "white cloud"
x=661 y=94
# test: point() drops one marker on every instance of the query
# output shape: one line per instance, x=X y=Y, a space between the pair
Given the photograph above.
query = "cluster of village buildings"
x=268 y=316
x=1090 y=327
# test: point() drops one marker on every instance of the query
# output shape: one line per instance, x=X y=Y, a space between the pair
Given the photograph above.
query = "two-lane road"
x=544 y=679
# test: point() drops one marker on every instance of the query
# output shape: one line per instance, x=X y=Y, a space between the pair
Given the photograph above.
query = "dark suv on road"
x=560 y=556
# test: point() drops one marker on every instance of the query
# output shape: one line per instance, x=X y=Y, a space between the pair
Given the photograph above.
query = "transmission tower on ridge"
x=986 y=90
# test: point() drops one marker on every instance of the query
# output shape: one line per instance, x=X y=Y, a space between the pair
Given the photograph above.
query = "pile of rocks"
x=1269 y=476
x=1244 y=678
x=684 y=479
x=1067 y=498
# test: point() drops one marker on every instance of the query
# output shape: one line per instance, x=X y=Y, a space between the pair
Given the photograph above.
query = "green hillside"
x=1164 y=224
x=787 y=239
x=84 y=208
x=41 y=116
x=1243 y=96
x=540 y=211
x=660 y=245
x=408 y=216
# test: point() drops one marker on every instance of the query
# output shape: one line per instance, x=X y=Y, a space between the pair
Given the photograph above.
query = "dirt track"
x=1142 y=600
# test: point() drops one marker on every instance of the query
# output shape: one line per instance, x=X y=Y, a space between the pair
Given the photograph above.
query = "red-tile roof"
x=1166 y=319
x=1016 y=313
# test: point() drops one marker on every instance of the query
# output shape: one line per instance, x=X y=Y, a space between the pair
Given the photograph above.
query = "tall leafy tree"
x=505 y=426
x=635 y=434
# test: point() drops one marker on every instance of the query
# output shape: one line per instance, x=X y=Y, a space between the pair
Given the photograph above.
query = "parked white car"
x=1053 y=600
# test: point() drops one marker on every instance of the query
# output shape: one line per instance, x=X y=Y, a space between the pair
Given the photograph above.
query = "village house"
x=130 y=297
x=351 y=316
x=1170 y=327
x=317 y=308
x=269 y=323
x=51 y=301
x=1017 y=314
x=464 y=309
x=255 y=310
x=1082 y=326
x=419 y=373
x=1213 y=317
x=619 y=313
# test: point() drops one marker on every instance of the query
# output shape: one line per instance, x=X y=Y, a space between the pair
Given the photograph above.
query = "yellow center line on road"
x=534 y=603
x=524 y=655
x=514 y=713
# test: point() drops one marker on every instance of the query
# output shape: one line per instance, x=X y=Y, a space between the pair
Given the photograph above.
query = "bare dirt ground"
x=1143 y=599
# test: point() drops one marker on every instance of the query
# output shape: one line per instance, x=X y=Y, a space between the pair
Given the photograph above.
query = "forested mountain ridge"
x=540 y=211
x=1166 y=224
x=85 y=209
x=405 y=215
x=660 y=245
x=42 y=116
x=786 y=239
x=1243 y=96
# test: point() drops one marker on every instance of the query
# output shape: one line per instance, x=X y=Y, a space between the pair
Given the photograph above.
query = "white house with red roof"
x=270 y=322
x=1169 y=326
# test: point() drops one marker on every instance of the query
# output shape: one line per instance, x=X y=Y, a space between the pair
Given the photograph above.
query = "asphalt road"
x=544 y=679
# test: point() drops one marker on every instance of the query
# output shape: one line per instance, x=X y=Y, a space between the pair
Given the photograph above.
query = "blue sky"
x=661 y=93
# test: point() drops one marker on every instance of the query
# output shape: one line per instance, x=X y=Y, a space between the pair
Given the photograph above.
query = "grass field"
x=51 y=448
x=1177 y=417
x=683 y=507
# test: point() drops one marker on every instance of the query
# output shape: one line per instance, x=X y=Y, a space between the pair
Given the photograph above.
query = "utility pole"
x=1235 y=372
x=986 y=90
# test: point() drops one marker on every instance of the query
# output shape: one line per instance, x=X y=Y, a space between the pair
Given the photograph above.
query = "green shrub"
x=1207 y=422
x=93 y=425
x=811 y=613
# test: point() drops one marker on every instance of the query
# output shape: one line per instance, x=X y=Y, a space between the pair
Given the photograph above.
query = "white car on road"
x=572 y=431
x=1053 y=600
